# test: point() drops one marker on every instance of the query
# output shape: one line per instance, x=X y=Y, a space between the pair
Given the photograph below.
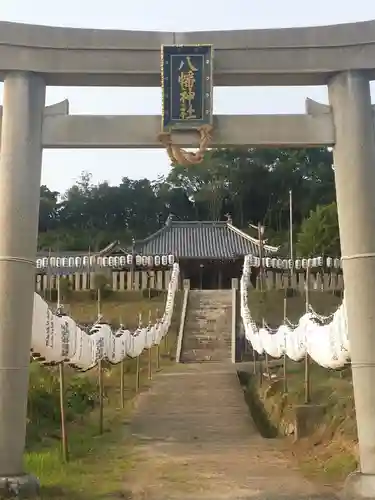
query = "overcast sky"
x=62 y=167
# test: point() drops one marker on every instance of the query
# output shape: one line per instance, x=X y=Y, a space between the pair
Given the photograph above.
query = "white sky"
x=62 y=167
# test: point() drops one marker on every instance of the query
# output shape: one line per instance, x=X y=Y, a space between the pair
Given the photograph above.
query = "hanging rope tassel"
x=179 y=156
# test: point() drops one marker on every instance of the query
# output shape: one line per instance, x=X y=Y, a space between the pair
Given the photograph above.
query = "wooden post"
x=307 y=359
x=150 y=363
x=101 y=396
x=137 y=375
x=254 y=361
x=99 y=300
x=64 y=436
x=266 y=355
x=122 y=375
x=285 y=385
x=138 y=367
x=122 y=388
x=158 y=346
x=150 y=350
x=158 y=357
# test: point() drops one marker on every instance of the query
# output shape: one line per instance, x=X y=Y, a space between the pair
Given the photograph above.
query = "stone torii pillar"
x=20 y=173
x=354 y=159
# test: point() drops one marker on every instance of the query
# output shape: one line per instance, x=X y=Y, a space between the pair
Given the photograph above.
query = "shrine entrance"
x=32 y=57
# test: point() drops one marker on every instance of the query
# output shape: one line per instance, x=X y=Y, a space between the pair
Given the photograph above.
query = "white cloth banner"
x=327 y=345
x=57 y=338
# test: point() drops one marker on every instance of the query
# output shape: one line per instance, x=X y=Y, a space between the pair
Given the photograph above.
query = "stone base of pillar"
x=25 y=486
x=359 y=487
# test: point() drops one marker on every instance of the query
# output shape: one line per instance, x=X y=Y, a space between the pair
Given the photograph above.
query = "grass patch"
x=329 y=453
x=97 y=462
x=270 y=305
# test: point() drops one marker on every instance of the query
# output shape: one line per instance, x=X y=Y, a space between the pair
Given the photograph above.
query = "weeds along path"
x=193 y=438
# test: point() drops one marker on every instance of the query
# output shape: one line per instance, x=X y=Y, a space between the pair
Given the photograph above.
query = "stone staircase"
x=207 y=333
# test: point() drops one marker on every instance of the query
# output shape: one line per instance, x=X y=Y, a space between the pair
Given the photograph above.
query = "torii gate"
x=31 y=57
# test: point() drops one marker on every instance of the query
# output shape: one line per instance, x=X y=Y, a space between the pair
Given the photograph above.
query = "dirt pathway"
x=194 y=439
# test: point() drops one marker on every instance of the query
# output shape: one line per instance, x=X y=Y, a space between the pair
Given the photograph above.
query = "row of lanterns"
x=119 y=261
x=312 y=263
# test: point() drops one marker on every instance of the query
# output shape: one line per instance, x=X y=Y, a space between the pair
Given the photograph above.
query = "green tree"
x=319 y=233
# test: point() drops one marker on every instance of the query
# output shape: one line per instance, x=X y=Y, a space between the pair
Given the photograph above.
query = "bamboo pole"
x=64 y=435
x=307 y=359
x=122 y=385
x=99 y=302
x=266 y=360
x=150 y=350
x=122 y=378
x=285 y=382
x=138 y=367
x=101 y=396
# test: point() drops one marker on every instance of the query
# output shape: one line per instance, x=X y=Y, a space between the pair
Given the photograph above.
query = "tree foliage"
x=250 y=184
x=319 y=233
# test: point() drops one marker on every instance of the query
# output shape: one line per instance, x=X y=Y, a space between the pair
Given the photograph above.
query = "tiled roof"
x=208 y=240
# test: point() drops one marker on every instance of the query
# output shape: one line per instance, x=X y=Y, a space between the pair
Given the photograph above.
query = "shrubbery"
x=44 y=401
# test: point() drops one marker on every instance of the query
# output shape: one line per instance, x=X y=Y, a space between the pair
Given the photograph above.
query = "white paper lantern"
x=64 y=262
x=150 y=261
x=170 y=260
x=138 y=260
x=144 y=260
x=279 y=264
x=85 y=260
x=58 y=262
x=314 y=262
x=70 y=261
x=111 y=261
x=157 y=260
x=92 y=260
x=257 y=261
x=290 y=264
x=268 y=262
x=298 y=264
x=116 y=261
x=329 y=261
x=164 y=260
x=52 y=261
x=45 y=262
x=337 y=263
x=78 y=261
x=105 y=262
x=274 y=263
x=100 y=261
x=319 y=261
x=39 y=263
x=129 y=259
x=304 y=263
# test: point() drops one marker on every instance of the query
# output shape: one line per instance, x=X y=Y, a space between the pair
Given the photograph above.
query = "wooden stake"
x=150 y=363
x=101 y=396
x=158 y=357
x=122 y=375
x=99 y=300
x=307 y=359
x=138 y=367
x=266 y=357
x=137 y=375
x=122 y=380
x=285 y=384
x=150 y=349
x=254 y=361
x=64 y=436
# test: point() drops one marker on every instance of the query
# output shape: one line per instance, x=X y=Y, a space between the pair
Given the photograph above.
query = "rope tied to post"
x=180 y=156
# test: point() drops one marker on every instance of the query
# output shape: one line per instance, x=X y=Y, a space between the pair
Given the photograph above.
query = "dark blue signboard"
x=186 y=86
